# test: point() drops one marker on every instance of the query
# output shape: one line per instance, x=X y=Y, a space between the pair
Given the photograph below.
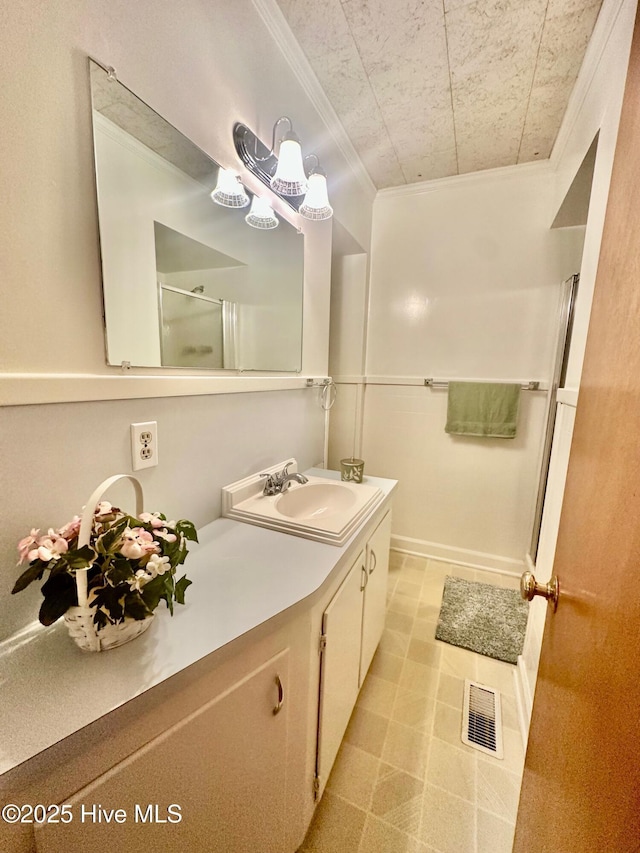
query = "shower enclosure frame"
x=229 y=311
x=565 y=325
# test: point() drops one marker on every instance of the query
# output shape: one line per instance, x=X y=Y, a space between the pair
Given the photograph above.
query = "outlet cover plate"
x=144 y=445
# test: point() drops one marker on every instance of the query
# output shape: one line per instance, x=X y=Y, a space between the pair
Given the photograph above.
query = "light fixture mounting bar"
x=259 y=160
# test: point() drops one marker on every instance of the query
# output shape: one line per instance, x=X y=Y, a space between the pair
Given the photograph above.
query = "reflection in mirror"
x=195 y=330
x=187 y=283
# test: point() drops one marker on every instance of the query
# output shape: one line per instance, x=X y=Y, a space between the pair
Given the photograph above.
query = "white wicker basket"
x=82 y=629
x=79 y=620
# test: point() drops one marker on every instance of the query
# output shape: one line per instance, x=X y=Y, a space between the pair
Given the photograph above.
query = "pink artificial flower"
x=104 y=508
x=49 y=547
x=25 y=546
x=71 y=529
x=152 y=519
x=137 y=543
x=164 y=534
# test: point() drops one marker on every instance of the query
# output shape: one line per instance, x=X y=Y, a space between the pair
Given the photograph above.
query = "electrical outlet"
x=144 y=445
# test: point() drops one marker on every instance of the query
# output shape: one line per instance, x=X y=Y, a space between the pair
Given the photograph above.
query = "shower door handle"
x=529 y=587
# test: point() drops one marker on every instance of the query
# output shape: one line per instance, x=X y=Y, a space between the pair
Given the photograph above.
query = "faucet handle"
x=285 y=471
x=271 y=484
x=275 y=482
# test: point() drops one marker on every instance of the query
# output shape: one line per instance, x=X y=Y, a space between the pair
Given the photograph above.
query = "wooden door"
x=581 y=784
x=375 y=593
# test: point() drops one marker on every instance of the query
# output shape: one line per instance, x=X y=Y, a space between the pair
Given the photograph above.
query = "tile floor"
x=403 y=781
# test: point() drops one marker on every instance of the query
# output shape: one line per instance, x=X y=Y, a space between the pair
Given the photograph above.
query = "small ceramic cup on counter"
x=351 y=470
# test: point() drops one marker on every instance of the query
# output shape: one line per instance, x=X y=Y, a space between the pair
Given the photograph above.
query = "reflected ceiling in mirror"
x=235 y=292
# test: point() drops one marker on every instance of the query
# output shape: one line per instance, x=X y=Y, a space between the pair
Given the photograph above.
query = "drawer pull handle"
x=375 y=562
x=278 y=707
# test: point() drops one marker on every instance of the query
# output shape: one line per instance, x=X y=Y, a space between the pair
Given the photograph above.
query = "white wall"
x=203 y=66
x=465 y=276
x=55 y=455
x=348 y=333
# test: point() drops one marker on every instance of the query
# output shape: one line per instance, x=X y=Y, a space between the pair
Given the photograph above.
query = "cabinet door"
x=375 y=593
x=342 y=628
x=224 y=766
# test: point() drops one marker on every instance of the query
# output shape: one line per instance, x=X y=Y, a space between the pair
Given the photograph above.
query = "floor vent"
x=482 y=719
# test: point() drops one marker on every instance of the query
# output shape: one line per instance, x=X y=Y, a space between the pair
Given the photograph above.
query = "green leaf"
x=81 y=558
x=59 y=595
x=33 y=573
x=100 y=619
x=135 y=606
x=181 y=587
x=152 y=592
x=176 y=551
x=119 y=572
x=111 y=600
x=168 y=590
x=187 y=528
x=107 y=542
x=183 y=552
x=170 y=549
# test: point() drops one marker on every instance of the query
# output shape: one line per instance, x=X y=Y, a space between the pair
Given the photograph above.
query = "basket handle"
x=87 y=520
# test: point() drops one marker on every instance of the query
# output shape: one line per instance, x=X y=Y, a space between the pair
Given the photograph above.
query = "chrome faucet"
x=277 y=483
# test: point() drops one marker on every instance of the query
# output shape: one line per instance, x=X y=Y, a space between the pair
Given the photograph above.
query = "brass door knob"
x=530 y=587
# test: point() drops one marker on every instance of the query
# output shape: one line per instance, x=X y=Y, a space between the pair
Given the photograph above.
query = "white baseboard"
x=524 y=698
x=459 y=556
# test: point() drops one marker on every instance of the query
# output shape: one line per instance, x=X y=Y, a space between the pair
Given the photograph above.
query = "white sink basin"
x=315 y=501
x=322 y=509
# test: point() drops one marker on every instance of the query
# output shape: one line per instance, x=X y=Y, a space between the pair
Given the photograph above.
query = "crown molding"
x=605 y=23
x=280 y=31
x=536 y=169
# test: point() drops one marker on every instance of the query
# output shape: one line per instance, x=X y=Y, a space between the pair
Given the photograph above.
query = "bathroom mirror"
x=187 y=283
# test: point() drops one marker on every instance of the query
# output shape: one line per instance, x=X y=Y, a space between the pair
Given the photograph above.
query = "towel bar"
x=533 y=385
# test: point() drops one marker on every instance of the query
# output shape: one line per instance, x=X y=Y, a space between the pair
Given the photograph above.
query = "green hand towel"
x=488 y=409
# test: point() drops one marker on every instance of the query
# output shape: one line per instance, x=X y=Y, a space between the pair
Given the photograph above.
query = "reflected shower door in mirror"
x=196 y=331
x=187 y=283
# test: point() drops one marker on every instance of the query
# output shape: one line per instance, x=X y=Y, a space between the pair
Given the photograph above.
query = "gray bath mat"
x=486 y=619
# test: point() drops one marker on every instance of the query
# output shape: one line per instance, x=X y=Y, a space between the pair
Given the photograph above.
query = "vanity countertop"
x=243 y=577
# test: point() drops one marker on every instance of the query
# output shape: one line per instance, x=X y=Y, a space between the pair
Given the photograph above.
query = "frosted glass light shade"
x=261 y=215
x=316 y=202
x=289 y=178
x=229 y=191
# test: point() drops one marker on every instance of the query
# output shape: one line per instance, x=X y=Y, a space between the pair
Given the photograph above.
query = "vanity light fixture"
x=261 y=215
x=285 y=173
x=289 y=178
x=316 y=202
x=229 y=191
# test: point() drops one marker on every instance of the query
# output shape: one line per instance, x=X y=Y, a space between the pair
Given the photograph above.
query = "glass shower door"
x=196 y=330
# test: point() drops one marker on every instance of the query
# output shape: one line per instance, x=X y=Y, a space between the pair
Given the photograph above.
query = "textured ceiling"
x=430 y=88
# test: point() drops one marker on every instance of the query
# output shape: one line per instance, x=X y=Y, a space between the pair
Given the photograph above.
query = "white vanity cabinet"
x=215 y=781
x=341 y=643
x=352 y=625
x=375 y=593
x=171 y=743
